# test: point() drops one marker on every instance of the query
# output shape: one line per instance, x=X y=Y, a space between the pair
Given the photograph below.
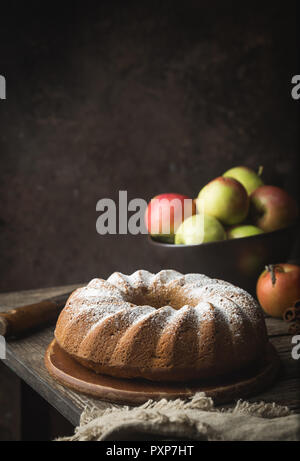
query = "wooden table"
x=26 y=358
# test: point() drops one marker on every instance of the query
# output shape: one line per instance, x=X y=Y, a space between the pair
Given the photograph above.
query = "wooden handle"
x=18 y=321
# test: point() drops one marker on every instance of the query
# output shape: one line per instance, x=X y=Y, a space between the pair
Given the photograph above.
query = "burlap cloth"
x=194 y=419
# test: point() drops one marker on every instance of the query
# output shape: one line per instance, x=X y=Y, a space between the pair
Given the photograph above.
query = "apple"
x=225 y=199
x=199 y=229
x=243 y=231
x=278 y=288
x=272 y=208
x=165 y=213
x=247 y=177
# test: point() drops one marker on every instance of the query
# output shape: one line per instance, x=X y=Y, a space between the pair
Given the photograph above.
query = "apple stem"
x=260 y=170
x=272 y=269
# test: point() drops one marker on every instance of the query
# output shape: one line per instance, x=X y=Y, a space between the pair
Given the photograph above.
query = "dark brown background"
x=147 y=96
x=144 y=96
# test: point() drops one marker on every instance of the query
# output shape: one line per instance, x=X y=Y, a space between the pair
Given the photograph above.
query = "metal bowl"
x=239 y=261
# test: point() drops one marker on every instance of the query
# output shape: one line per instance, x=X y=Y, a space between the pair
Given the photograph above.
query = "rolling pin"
x=22 y=320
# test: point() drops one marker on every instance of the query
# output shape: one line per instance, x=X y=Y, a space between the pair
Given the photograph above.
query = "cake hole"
x=164 y=296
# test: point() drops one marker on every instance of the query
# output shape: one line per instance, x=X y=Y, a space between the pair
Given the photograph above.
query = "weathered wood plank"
x=26 y=358
x=276 y=327
x=21 y=298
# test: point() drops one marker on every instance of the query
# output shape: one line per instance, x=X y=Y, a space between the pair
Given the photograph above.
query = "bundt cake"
x=162 y=327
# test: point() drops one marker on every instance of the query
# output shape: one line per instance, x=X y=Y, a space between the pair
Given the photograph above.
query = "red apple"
x=272 y=208
x=278 y=288
x=166 y=212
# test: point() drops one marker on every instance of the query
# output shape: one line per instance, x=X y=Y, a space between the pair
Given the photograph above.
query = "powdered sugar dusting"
x=206 y=299
x=166 y=276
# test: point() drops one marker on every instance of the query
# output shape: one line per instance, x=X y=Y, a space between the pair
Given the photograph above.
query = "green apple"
x=199 y=229
x=243 y=231
x=250 y=180
x=225 y=199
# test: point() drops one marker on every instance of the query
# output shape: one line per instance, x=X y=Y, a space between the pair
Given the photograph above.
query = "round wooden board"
x=134 y=392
